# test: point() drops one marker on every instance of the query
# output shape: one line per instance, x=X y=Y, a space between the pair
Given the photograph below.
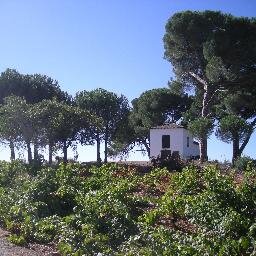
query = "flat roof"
x=168 y=126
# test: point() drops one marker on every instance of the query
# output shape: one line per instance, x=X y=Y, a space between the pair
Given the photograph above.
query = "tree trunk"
x=106 y=146
x=204 y=113
x=65 y=152
x=36 y=156
x=50 y=153
x=248 y=136
x=11 y=145
x=29 y=153
x=98 y=148
x=203 y=149
x=236 y=153
x=207 y=96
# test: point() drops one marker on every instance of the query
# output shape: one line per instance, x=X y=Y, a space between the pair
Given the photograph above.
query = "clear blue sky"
x=114 y=44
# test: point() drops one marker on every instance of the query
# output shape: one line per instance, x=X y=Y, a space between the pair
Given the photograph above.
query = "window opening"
x=165 y=141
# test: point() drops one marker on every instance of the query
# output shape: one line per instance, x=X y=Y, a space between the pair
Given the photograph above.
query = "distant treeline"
x=214 y=60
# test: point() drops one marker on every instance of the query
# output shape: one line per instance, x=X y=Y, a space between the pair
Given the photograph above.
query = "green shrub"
x=110 y=210
x=171 y=162
x=17 y=239
x=241 y=163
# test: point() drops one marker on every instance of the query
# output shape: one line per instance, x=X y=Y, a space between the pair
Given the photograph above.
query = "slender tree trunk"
x=205 y=111
x=207 y=97
x=36 y=156
x=235 y=148
x=65 y=152
x=203 y=149
x=247 y=138
x=98 y=147
x=29 y=153
x=50 y=153
x=106 y=146
x=11 y=145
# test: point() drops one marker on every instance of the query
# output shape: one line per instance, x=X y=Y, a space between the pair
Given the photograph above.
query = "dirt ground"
x=9 y=249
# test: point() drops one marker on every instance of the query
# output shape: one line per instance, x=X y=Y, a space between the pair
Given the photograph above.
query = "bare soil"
x=9 y=249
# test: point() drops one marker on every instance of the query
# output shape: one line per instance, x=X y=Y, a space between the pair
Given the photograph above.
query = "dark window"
x=187 y=141
x=166 y=141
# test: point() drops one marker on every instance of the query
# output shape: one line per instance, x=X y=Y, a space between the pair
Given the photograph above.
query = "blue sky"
x=114 y=44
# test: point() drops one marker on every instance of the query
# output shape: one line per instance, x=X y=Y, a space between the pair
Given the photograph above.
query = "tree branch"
x=199 y=79
x=214 y=93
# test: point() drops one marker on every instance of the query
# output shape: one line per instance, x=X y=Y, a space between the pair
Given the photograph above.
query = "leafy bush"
x=172 y=162
x=242 y=162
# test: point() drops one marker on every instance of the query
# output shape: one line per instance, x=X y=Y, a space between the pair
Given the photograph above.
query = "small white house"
x=172 y=139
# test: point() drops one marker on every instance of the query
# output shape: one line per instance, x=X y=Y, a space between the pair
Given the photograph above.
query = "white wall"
x=193 y=149
x=178 y=142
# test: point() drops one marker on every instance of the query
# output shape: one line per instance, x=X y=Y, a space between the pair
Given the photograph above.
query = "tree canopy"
x=110 y=108
x=33 y=87
x=211 y=52
x=153 y=107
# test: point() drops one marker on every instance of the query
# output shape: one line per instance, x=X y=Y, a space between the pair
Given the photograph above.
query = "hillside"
x=118 y=210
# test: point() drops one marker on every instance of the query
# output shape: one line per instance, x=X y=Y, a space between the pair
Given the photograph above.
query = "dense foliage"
x=152 y=108
x=36 y=115
x=213 y=55
x=112 y=111
x=115 y=210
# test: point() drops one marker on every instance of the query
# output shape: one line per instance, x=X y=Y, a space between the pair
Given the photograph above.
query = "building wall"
x=178 y=142
x=193 y=149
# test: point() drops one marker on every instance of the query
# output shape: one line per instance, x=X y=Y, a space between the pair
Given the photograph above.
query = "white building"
x=172 y=139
